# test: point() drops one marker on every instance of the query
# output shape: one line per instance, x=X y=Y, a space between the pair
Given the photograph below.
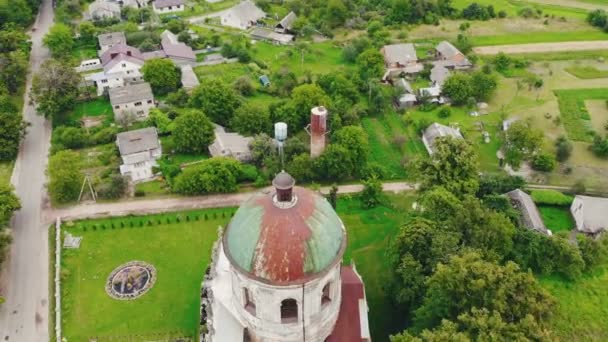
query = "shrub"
x=114 y=188
x=70 y=137
x=140 y=193
x=551 y=197
x=104 y=136
x=444 y=112
x=563 y=148
x=543 y=162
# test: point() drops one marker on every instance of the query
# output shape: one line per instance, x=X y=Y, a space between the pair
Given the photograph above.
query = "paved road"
x=542 y=47
x=24 y=316
x=182 y=203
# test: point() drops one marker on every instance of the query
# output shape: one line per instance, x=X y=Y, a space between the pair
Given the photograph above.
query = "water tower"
x=317 y=129
x=280 y=135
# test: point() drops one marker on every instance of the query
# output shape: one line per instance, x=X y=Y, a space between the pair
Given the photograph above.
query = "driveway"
x=542 y=47
x=24 y=315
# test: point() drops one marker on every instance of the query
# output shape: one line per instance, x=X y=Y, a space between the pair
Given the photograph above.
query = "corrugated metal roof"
x=130 y=93
x=530 y=215
x=136 y=141
x=285 y=245
x=400 y=54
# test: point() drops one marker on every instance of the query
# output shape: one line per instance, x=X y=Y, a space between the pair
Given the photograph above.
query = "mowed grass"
x=582 y=310
x=539 y=37
x=587 y=72
x=370 y=233
x=574 y=114
x=96 y=107
x=556 y=218
x=179 y=251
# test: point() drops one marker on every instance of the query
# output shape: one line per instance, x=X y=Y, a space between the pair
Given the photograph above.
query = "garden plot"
x=598 y=110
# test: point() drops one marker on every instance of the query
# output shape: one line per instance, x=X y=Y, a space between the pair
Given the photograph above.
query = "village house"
x=231 y=145
x=286 y=24
x=168 y=6
x=139 y=150
x=529 y=214
x=108 y=40
x=176 y=51
x=590 y=214
x=102 y=9
x=400 y=59
x=121 y=66
x=450 y=57
x=134 y=100
x=437 y=130
x=242 y=16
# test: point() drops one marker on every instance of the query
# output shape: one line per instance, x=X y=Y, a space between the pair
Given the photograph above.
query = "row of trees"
x=460 y=262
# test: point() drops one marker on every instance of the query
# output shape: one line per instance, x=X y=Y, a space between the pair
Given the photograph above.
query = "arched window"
x=325 y=297
x=249 y=303
x=289 y=311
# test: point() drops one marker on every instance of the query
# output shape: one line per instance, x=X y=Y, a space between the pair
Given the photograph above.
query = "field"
x=587 y=72
x=96 y=107
x=556 y=219
x=582 y=310
x=180 y=252
x=598 y=111
x=574 y=113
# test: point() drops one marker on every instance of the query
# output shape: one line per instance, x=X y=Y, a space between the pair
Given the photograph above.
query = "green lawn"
x=6 y=170
x=97 y=107
x=582 y=310
x=557 y=219
x=179 y=251
x=587 y=72
x=82 y=51
x=539 y=37
x=153 y=188
x=574 y=114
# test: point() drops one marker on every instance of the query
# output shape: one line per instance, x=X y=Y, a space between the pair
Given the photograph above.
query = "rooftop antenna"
x=280 y=134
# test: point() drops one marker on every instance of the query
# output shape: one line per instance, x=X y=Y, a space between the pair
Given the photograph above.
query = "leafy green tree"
x=336 y=12
x=467 y=282
x=371 y=64
x=355 y=141
x=163 y=76
x=453 y=165
x=9 y=203
x=13 y=38
x=301 y=167
x=458 y=87
x=216 y=99
x=59 y=40
x=114 y=188
x=14 y=66
x=483 y=85
x=70 y=137
x=55 y=88
x=215 y=175
x=498 y=184
x=88 y=32
x=521 y=142
x=371 y=196
x=161 y=121
x=563 y=148
x=193 y=132
x=250 y=119
x=65 y=176
x=599 y=147
x=303 y=99
x=543 y=162
x=15 y=11
x=12 y=131
x=244 y=86
x=334 y=163
x=337 y=85
x=262 y=146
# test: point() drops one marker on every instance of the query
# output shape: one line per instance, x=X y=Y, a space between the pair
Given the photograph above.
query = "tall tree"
x=14 y=69
x=303 y=99
x=55 y=87
x=9 y=203
x=65 y=178
x=251 y=119
x=163 y=76
x=453 y=165
x=522 y=142
x=12 y=131
x=193 y=132
x=59 y=40
x=216 y=99
x=371 y=64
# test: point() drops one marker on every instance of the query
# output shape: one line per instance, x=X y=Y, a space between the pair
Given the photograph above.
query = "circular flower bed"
x=130 y=280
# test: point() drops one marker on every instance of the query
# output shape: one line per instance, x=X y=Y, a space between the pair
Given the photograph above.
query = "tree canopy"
x=163 y=76
x=213 y=175
x=216 y=99
x=193 y=132
x=59 y=40
x=65 y=178
x=55 y=88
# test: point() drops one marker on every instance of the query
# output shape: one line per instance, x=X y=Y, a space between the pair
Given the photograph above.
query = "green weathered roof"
x=285 y=245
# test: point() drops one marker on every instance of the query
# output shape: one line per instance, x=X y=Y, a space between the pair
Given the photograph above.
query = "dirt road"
x=572 y=3
x=542 y=47
x=151 y=206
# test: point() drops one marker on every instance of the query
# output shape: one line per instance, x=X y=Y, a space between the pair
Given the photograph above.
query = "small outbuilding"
x=265 y=81
x=286 y=24
x=437 y=130
x=168 y=6
x=139 y=150
x=231 y=145
x=529 y=214
x=133 y=99
x=590 y=214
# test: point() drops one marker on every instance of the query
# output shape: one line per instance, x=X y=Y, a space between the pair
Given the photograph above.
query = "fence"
x=57 y=279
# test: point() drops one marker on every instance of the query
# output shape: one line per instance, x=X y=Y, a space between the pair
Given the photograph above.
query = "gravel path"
x=151 y=206
x=542 y=47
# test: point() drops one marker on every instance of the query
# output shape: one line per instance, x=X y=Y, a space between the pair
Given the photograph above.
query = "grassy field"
x=582 y=310
x=539 y=37
x=180 y=252
x=574 y=114
x=6 y=170
x=557 y=218
x=587 y=72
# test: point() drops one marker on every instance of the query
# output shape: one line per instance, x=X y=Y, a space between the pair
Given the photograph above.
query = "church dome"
x=285 y=240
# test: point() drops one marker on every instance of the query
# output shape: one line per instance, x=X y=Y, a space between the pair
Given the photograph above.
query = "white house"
x=263 y=284
x=121 y=66
x=168 y=6
x=139 y=150
x=242 y=16
x=435 y=131
x=133 y=99
x=590 y=214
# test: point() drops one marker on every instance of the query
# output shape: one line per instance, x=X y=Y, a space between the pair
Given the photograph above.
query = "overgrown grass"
x=550 y=197
x=587 y=72
x=6 y=170
x=582 y=310
x=574 y=114
x=96 y=107
x=563 y=56
x=83 y=51
x=556 y=218
x=539 y=37
x=153 y=188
